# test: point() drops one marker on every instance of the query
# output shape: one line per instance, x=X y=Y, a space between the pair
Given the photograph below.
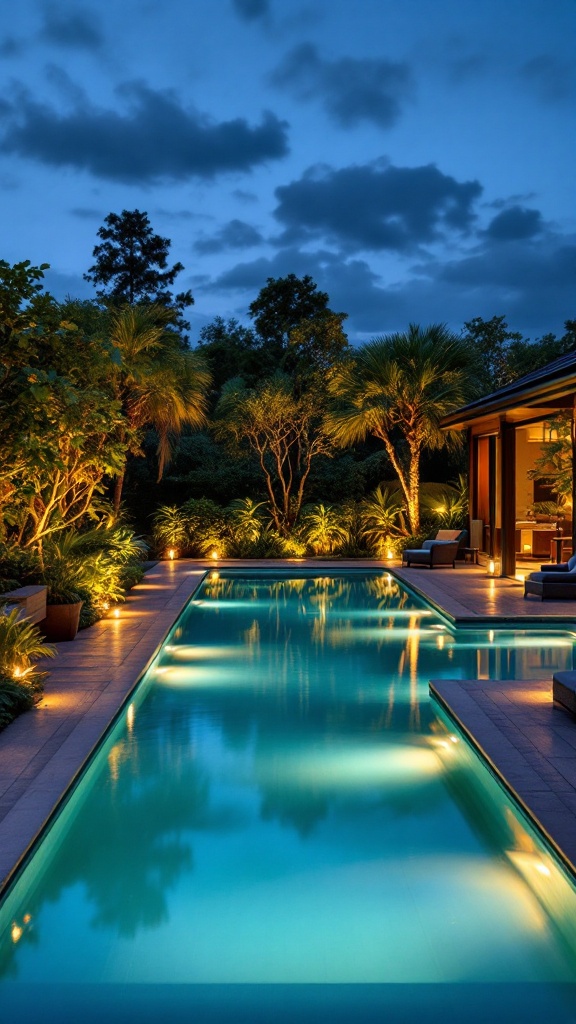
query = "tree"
x=506 y=355
x=298 y=330
x=156 y=382
x=60 y=421
x=230 y=350
x=285 y=432
x=397 y=388
x=132 y=264
x=491 y=339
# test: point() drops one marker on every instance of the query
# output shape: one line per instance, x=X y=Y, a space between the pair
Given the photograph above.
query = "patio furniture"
x=442 y=550
x=560 y=566
x=470 y=555
x=30 y=600
x=564 y=689
x=557 y=581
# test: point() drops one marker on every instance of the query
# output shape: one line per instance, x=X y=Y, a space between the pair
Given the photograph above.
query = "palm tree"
x=158 y=383
x=398 y=388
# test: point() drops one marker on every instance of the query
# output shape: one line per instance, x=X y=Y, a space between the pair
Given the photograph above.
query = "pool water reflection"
x=281 y=805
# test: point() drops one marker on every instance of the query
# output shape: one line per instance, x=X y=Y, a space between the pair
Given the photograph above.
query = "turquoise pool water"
x=281 y=826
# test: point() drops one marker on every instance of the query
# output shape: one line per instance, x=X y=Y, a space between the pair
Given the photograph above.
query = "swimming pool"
x=282 y=827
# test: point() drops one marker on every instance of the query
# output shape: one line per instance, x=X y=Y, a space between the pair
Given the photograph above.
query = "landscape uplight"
x=171 y=554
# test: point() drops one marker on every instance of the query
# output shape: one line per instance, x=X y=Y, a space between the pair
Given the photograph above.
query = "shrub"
x=18 y=567
x=323 y=529
x=170 y=529
x=16 y=697
x=383 y=524
x=21 y=645
x=207 y=526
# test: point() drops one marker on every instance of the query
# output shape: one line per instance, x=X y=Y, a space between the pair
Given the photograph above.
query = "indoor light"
x=491 y=567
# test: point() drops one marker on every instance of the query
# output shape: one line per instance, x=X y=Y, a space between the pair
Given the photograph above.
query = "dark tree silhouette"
x=131 y=263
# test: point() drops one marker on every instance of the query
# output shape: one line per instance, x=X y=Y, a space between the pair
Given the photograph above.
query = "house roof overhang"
x=536 y=396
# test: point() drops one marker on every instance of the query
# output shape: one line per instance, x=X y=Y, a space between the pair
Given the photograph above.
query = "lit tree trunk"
x=118 y=487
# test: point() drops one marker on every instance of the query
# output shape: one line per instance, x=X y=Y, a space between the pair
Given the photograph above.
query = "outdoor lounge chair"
x=440 y=551
x=553 y=581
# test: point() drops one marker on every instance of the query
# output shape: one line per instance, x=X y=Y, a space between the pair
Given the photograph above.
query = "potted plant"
x=63 y=609
x=63 y=602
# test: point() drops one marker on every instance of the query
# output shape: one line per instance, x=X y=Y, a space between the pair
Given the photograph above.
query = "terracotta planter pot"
x=61 y=622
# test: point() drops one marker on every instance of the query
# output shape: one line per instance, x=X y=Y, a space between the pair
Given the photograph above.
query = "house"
x=512 y=436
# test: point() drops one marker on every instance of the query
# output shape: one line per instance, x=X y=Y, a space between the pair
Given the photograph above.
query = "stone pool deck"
x=529 y=742
x=91 y=677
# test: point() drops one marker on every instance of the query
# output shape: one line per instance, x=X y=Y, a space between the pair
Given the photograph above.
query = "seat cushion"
x=567 y=579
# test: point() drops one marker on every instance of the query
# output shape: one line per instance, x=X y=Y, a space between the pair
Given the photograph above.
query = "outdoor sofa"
x=553 y=581
x=442 y=550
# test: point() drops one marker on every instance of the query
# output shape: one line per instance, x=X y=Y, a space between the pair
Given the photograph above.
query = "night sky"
x=416 y=157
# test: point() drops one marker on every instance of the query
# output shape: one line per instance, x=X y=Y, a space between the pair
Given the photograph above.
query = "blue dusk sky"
x=415 y=157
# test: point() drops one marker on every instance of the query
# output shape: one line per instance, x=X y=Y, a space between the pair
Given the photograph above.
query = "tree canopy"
x=397 y=388
x=298 y=331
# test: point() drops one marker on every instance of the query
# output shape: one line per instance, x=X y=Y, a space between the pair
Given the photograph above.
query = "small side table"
x=470 y=555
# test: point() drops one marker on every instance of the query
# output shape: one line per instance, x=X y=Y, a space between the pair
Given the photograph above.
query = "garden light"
x=171 y=554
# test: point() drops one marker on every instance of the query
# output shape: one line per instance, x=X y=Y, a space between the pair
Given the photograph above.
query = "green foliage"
x=21 y=645
x=299 y=332
x=284 y=430
x=19 y=567
x=170 y=529
x=156 y=381
x=446 y=504
x=382 y=520
x=322 y=529
x=230 y=350
x=17 y=697
x=506 y=356
x=93 y=565
x=398 y=388
x=247 y=519
x=554 y=464
x=207 y=526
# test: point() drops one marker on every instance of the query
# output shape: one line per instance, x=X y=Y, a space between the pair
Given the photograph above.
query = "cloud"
x=550 y=78
x=87 y=213
x=529 y=283
x=244 y=196
x=376 y=206
x=71 y=28
x=350 y=90
x=154 y=139
x=251 y=10
x=11 y=47
x=515 y=223
x=237 y=234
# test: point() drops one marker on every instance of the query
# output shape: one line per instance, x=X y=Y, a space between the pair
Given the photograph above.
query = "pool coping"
x=44 y=752
x=528 y=742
